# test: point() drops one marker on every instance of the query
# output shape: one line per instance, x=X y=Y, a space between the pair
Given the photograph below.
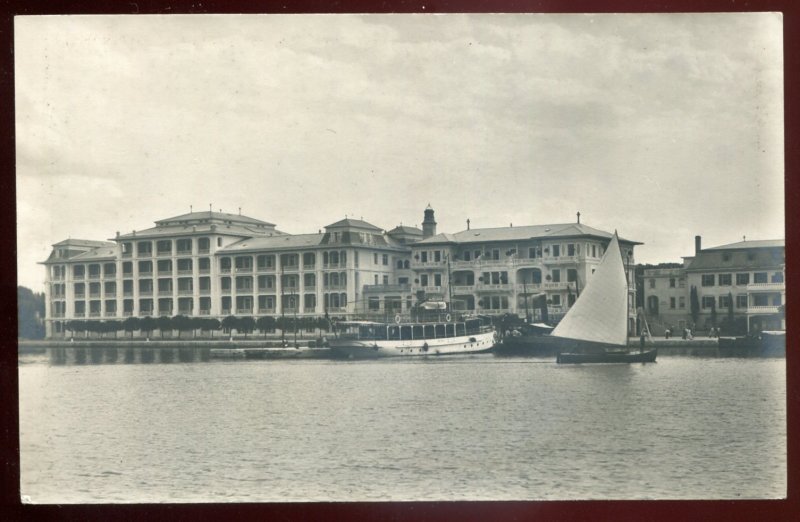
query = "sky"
x=660 y=126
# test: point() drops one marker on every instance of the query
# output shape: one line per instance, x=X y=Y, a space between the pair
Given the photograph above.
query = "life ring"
x=425 y=347
x=447 y=318
x=397 y=318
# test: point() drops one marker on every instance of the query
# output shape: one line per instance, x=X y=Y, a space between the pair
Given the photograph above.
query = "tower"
x=428 y=224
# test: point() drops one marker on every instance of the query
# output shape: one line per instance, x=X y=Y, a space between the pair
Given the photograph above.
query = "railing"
x=146 y=274
x=94 y=314
x=127 y=314
x=127 y=294
x=164 y=253
x=78 y=277
x=291 y=267
x=337 y=309
x=185 y=272
x=127 y=275
x=405 y=287
x=265 y=269
x=334 y=265
x=243 y=269
x=185 y=291
x=331 y=287
x=266 y=310
x=110 y=314
x=433 y=289
x=308 y=310
x=309 y=266
x=57 y=278
x=203 y=250
x=184 y=251
x=772 y=309
x=204 y=312
x=145 y=293
x=145 y=313
x=144 y=254
x=80 y=314
x=225 y=270
x=164 y=293
x=291 y=310
x=57 y=315
x=112 y=275
x=766 y=286
x=80 y=296
x=427 y=264
x=94 y=295
x=561 y=285
x=529 y=288
x=110 y=294
x=226 y=311
x=127 y=254
x=94 y=276
x=244 y=290
x=293 y=288
x=225 y=290
x=205 y=291
x=486 y=287
x=165 y=272
x=244 y=310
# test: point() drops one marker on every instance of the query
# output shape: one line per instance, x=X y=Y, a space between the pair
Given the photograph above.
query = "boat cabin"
x=373 y=331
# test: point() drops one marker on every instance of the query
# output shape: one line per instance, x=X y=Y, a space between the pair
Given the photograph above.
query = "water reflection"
x=128 y=355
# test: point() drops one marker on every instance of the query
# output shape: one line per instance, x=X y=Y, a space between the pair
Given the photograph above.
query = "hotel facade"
x=744 y=279
x=213 y=264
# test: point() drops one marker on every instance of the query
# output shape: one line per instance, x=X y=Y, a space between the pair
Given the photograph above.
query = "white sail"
x=600 y=314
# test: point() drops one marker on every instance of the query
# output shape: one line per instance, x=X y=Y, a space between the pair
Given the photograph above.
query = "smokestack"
x=696 y=245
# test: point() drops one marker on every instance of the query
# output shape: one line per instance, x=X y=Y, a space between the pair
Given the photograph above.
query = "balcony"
x=203 y=250
x=498 y=287
x=309 y=266
x=94 y=295
x=387 y=288
x=463 y=289
x=291 y=310
x=94 y=314
x=110 y=314
x=433 y=289
x=80 y=314
x=561 y=260
x=295 y=289
x=127 y=294
x=226 y=311
x=561 y=285
x=766 y=287
x=144 y=255
x=427 y=264
x=337 y=309
x=165 y=272
x=57 y=278
x=533 y=288
x=266 y=269
x=80 y=295
x=127 y=313
x=309 y=310
x=94 y=276
x=205 y=291
x=57 y=315
x=225 y=270
x=112 y=275
x=244 y=269
x=145 y=293
x=164 y=253
x=110 y=294
x=291 y=268
x=78 y=277
x=773 y=309
x=244 y=290
x=184 y=251
x=334 y=265
x=246 y=311
x=127 y=254
x=332 y=287
x=225 y=291
x=204 y=271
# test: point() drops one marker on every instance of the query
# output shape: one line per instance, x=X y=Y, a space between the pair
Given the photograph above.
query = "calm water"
x=475 y=427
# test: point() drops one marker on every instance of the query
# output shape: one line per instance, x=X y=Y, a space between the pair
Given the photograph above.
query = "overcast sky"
x=660 y=126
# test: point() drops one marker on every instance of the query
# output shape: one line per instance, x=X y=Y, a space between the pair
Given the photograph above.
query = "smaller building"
x=739 y=287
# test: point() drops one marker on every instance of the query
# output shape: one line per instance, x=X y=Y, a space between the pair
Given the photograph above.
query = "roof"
x=742 y=245
x=354 y=223
x=401 y=229
x=82 y=243
x=213 y=216
x=283 y=242
x=172 y=230
x=482 y=235
x=97 y=254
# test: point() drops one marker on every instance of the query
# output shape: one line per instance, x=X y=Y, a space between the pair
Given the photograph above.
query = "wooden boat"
x=595 y=327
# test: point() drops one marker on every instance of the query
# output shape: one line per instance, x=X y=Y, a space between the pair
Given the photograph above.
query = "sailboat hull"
x=607 y=357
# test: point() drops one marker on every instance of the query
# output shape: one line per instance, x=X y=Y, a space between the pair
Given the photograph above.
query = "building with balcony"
x=741 y=283
x=213 y=264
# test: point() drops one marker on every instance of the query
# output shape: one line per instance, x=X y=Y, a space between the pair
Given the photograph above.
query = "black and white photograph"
x=305 y=258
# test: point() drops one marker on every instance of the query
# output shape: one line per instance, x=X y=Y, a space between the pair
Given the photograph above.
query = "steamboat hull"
x=371 y=349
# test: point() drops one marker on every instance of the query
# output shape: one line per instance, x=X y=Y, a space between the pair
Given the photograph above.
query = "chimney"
x=467 y=223
x=696 y=245
x=428 y=224
x=579 y=217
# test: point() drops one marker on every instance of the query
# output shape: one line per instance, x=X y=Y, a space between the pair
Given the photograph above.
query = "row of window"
x=722 y=302
x=742 y=278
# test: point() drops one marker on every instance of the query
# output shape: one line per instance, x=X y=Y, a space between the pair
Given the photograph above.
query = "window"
x=707 y=280
x=385 y=259
x=556 y=250
x=571 y=249
x=309 y=280
x=423 y=279
x=671 y=282
x=495 y=254
x=572 y=275
x=726 y=256
x=777 y=277
x=556 y=300
x=743 y=279
x=203 y=245
x=127 y=268
x=681 y=302
x=400 y=264
x=724 y=301
x=309 y=260
x=423 y=256
x=374 y=304
x=437 y=255
x=556 y=274
x=386 y=280
x=652 y=283
x=164 y=247
x=672 y=303
x=375 y=258
x=437 y=280
x=741 y=301
x=594 y=250
x=467 y=256
x=760 y=278
x=725 y=279
x=708 y=301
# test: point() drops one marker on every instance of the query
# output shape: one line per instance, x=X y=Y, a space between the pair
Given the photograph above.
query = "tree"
x=246 y=325
x=196 y=323
x=265 y=323
x=147 y=324
x=30 y=314
x=229 y=323
x=181 y=323
x=211 y=325
x=130 y=324
x=694 y=304
x=713 y=314
x=164 y=323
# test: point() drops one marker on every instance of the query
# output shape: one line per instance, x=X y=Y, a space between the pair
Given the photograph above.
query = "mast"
x=449 y=284
x=283 y=311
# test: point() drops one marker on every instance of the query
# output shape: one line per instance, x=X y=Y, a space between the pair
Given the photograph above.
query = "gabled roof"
x=354 y=223
x=742 y=245
x=220 y=217
x=174 y=230
x=481 y=235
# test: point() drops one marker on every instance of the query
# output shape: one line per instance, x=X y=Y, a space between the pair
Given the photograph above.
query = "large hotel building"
x=213 y=264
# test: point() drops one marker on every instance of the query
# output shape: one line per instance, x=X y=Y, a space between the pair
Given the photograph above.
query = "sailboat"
x=595 y=327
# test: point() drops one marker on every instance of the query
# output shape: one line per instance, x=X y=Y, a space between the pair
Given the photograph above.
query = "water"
x=457 y=428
